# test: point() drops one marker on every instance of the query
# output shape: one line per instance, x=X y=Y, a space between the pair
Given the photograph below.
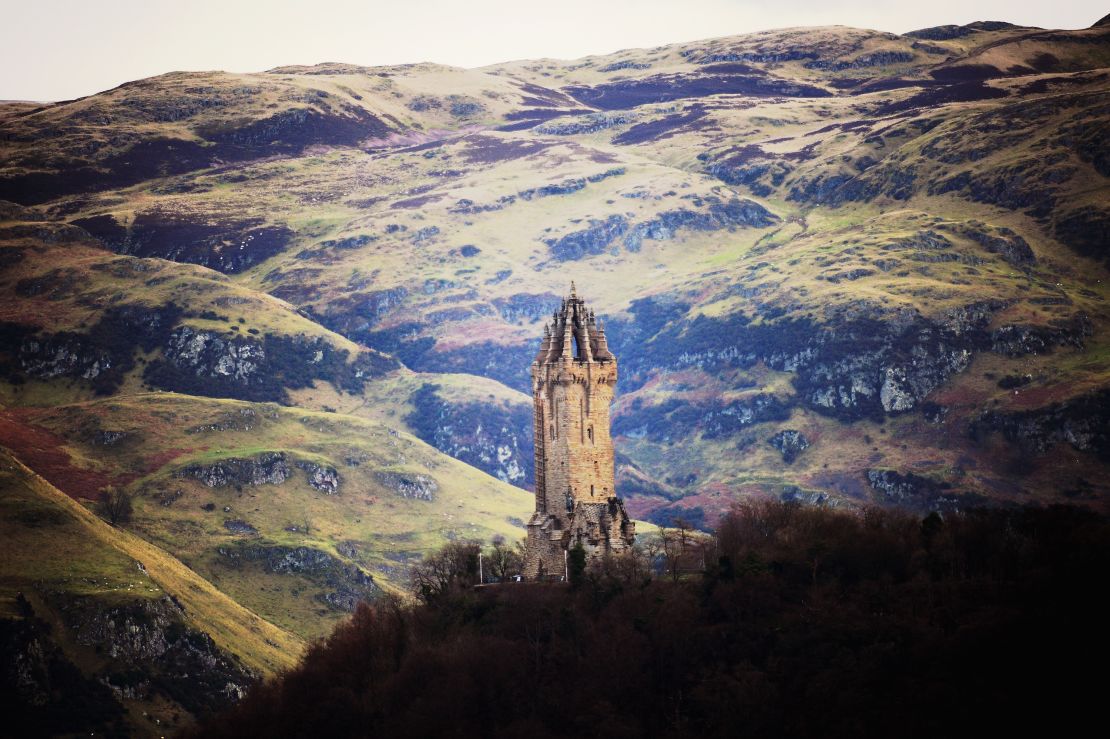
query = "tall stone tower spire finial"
x=573 y=377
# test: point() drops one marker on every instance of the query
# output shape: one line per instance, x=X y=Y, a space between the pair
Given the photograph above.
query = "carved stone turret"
x=573 y=377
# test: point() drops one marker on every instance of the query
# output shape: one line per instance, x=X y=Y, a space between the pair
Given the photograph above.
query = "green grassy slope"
x=381 y=497
x=77 y=572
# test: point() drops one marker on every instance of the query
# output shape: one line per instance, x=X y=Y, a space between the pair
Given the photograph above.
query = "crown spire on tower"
x=572 y=334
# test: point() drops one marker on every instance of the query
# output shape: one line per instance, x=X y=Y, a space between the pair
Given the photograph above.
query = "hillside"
x=109 y=628
x=296 y=514
x=292 y=312
x=762 y=199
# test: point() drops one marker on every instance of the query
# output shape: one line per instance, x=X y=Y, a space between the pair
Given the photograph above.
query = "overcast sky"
x=61 y=49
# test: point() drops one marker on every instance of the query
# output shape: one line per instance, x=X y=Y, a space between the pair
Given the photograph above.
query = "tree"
x=504 y=560
x=452 y=568
x=115 y=505
x=674 y=543
x=576 y=564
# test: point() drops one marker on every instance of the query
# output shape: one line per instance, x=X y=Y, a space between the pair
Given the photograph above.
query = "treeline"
x=804 y=622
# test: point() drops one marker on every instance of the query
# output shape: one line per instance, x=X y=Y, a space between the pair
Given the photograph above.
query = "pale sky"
x=61 y=49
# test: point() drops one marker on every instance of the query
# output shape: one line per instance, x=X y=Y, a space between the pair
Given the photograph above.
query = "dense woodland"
x=806 y=622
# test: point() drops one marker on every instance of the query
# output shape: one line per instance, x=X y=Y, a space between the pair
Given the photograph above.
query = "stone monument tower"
x=573 y=376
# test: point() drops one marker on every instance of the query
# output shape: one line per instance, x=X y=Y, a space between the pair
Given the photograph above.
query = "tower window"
x=552 y=432
x=590 y=433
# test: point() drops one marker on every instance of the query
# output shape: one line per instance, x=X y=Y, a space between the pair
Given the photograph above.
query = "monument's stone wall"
x=573 y=377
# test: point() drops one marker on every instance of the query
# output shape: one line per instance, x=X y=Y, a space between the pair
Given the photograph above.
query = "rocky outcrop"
x=591 y=123
x=590 y=241
x=865 y=362
x=908 y=489
x=207 y=363
x=224 y=243
x=271 y=468
x=101 y=356
x=1082 y=422
x=496 y=438
x=526 y=306
x=566 y=187
x=151 y=636
x=321 y=477
x=794 y=494
x=42 y=692
x=676 y=418
x=344 y=584
x=63 y=356
x=353 y=316
x=661 y=88
x=1002 y=241
x=243 y=419
x=624 y=64
x=238 y=360
x=408 y=484
x=1019 y=341
x=863 y=61
x=727 y=419
x=598 y=237
x=717 y=216
x=790 y=444
x=560 y=188
x=239 y=526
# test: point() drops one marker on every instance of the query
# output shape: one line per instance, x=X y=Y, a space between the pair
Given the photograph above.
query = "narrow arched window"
x=590 y=433
x=552 y=432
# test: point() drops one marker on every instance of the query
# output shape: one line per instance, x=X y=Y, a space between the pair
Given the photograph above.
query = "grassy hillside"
x=118 y=607
x=294 y=513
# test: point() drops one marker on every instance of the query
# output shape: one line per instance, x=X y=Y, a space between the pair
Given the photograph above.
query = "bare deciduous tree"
x=674 y=542
x=504 y=560
x=115 y=505
x=453 y=567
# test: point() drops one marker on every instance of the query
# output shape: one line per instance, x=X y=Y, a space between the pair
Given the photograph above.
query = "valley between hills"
x=292 y=314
